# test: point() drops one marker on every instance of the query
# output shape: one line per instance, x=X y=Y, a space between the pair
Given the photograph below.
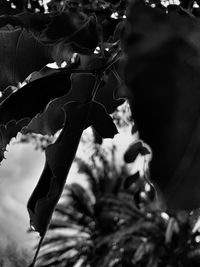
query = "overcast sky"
x=18 y=176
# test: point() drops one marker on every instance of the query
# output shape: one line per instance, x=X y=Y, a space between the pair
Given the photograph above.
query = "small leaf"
x=133 y=151
x=131 y=179
x=134 y=129
x=144 y=151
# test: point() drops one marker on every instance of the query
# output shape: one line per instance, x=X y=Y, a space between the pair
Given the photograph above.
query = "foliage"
x=74 y=110
x=110 y=224
x=143 y=51
x=165 y=51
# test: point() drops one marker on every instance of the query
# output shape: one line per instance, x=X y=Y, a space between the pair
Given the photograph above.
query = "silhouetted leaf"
x=131 y=179
x=52 y=119
x=163 y=73
x=106 y=94
x=102 y=122
x=134 y=129
x=33 y=97
x=17 y=48
x=144 y=151
x=19 y=107
x=133 y=151
x=59 y=157
x=70 y=27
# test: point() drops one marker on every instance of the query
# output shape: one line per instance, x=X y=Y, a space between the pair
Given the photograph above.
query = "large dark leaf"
x=163 y=73
x=19 y=107
x=20 y=54
x=52 y=119
x=70 y=27
x=33 y=97
x=106 y=93
x=59 y=157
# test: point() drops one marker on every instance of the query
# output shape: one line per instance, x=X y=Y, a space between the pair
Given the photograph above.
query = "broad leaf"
x=17 y=48
x=59 y=157
x=162 y=72
x=20 y=107
x=101 y=121
x=33 y=97
x=52 y=119
x=106 y=93
x=70 y=27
